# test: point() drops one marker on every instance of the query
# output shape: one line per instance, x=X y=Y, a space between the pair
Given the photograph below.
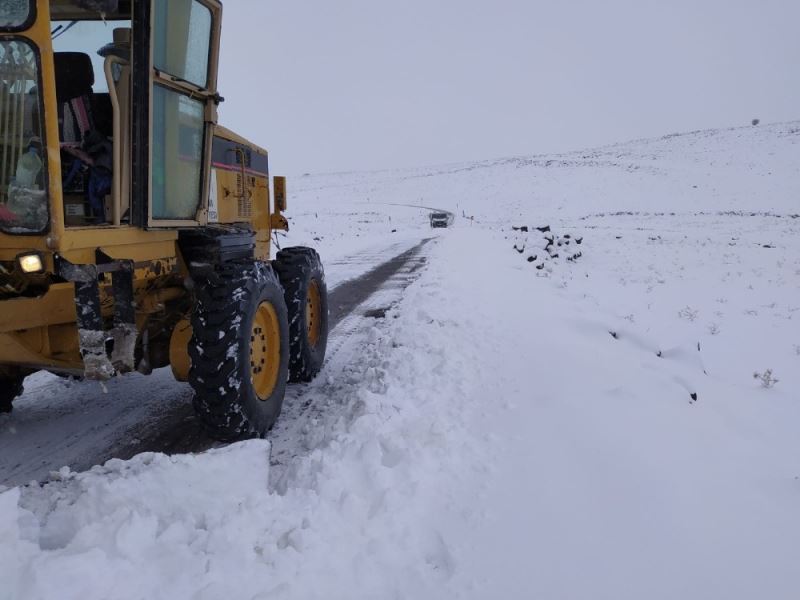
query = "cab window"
x=182 y=33
x=23 y=184
x=178 y=128
x=15 y=14
x=183 y=40
x=90 y=38
x=85 y=113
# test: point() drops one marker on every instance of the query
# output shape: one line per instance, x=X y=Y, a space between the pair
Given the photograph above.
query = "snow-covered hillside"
x=753 y=169
x=518 y=425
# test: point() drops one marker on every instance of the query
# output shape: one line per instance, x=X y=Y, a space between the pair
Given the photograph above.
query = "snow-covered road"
x=59 y=423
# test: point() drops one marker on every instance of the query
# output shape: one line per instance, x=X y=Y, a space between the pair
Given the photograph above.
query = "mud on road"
x=82 y=424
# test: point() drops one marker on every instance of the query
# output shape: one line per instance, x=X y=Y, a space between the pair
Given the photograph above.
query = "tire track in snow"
x=295 y=434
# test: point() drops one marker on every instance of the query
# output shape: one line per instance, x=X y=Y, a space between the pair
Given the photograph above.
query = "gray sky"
x=332 y=85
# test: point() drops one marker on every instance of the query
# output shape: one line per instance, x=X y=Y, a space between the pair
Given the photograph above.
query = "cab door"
x=183 y=109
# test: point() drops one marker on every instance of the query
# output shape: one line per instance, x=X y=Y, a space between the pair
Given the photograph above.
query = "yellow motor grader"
x=135 y=231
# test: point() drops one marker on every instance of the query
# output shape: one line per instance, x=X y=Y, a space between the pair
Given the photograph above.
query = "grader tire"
x=10 y=388
x=303 y=279
x=239 y=350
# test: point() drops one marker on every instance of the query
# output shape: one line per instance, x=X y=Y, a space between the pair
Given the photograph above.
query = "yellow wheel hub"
x=265 y=350
x=313 y=313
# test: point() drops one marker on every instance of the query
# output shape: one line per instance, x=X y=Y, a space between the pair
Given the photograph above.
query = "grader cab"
x=135 y=231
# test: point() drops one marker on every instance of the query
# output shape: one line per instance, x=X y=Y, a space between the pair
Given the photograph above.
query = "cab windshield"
x=23 y=195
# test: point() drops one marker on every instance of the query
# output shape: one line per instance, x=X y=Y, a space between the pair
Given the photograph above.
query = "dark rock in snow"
x=545 y=240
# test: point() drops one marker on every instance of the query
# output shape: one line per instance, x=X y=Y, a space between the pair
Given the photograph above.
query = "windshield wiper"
x=61 y=30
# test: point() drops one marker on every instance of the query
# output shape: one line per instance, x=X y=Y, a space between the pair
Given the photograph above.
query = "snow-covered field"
x=517 y=425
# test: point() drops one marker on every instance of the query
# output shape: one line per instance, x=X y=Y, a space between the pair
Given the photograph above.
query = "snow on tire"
x=239 y=350
x=303 y=279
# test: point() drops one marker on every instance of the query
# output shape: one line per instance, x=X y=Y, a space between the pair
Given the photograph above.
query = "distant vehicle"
x=440 y=219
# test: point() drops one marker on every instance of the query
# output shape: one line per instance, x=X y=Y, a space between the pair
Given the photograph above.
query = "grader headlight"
x=30 y=263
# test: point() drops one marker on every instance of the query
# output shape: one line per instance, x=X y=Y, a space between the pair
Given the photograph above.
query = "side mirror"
x=279 y=184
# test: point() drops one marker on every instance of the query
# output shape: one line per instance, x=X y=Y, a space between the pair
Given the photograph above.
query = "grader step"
x=105 y=352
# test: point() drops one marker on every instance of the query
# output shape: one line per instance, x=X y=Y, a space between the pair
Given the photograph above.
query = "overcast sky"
x=333 y=85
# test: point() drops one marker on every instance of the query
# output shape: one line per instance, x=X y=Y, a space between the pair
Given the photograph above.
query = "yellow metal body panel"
x=179 y=359
x=41 y=332
x=33 y=349
x=243 y=195
x=279 y=222
x=57 y=306
x=227 y=134
x=280 y=194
